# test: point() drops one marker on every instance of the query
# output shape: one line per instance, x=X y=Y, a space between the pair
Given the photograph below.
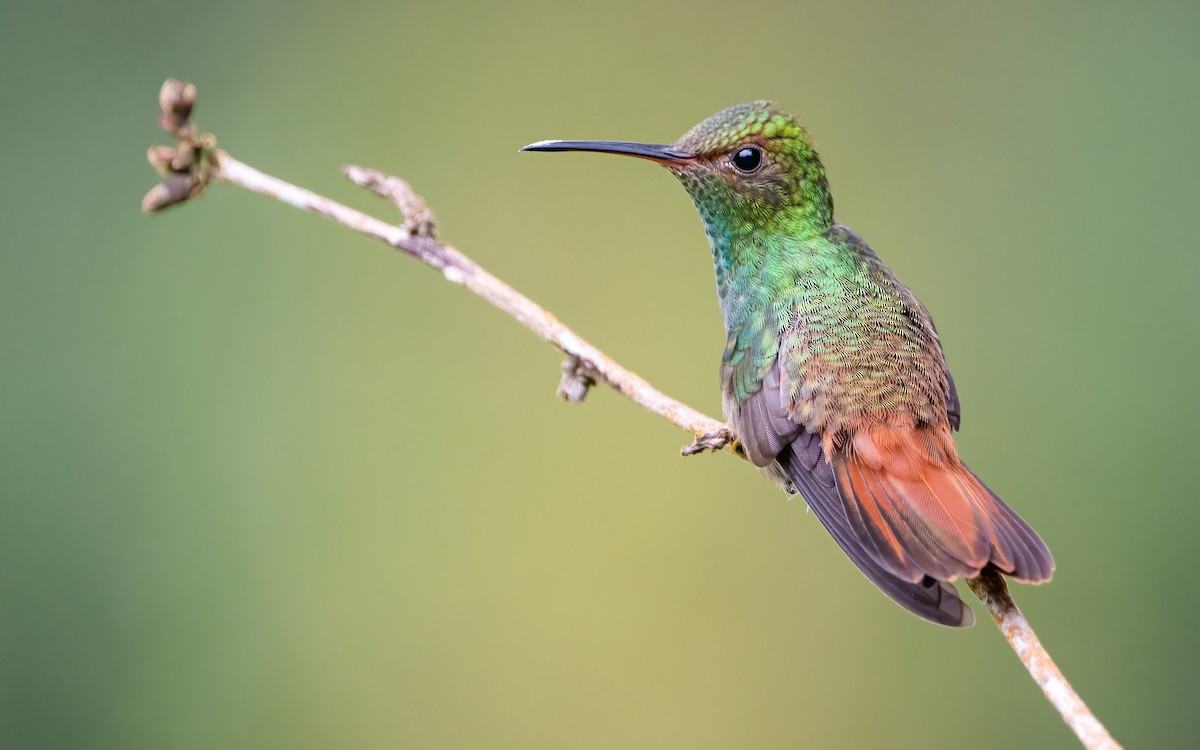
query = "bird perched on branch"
x=833 y=375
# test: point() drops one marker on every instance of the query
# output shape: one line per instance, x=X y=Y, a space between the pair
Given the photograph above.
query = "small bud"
x=161 y=158
x=176 y=188
x=176 y=99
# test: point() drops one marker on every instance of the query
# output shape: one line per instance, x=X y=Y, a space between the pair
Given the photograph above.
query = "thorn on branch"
x=187 y=166
x=418 y=218
x=711 y=441
x=577 y=379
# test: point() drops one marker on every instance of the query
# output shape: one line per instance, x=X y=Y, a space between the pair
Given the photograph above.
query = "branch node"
x=418 y=218
x=577 y=380
x=187 y=166
x=710 y=441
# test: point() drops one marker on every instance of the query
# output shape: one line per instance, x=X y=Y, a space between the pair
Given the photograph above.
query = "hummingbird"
x=833 y=377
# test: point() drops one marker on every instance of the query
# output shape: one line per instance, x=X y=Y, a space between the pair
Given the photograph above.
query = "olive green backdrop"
x=265 y=484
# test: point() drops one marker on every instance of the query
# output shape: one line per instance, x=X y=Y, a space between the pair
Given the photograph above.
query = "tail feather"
x=804 y=463
x=922 y=512
x=912 y=517
x=1031 y=561
x=910 y=545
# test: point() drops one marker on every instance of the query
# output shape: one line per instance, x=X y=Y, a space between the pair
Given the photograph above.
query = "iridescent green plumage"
x=834 y=378
x=859 y=344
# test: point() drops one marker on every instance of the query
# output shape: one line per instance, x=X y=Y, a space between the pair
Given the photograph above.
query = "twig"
x=195 y=161
x=993 y=592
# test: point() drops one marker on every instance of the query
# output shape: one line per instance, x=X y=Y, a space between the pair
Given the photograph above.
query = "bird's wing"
x=804 y=463
x=769 y=435
x=953 y=405
x=865 y=372
x=761 y=421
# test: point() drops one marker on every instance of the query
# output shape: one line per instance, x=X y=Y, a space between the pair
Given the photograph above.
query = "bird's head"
x=750 y=168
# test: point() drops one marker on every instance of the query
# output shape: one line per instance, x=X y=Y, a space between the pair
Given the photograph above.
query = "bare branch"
x=205 y=163
x=418 y=219
x=459 y=269
x=993 y=592
x=189 y=167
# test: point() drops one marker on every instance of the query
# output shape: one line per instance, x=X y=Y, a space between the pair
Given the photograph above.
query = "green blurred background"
x=265 y=484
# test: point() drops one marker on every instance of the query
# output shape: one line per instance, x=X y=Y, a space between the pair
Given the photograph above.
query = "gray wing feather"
x=762 y=423
x=769 y=435
x=804 y=463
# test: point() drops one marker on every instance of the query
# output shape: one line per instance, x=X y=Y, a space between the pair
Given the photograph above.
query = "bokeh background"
x=265 y=484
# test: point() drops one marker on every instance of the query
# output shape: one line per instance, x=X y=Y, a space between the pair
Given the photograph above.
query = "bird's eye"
x=747 y=159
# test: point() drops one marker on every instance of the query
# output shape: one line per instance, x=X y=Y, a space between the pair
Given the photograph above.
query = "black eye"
x=747 y=159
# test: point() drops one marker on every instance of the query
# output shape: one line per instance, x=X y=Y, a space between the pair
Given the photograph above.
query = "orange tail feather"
x=920 y=512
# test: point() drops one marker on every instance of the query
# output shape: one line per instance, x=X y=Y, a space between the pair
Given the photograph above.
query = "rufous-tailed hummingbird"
x=833 y=376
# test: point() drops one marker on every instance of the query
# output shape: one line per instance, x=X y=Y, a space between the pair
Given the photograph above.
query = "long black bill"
x=658 y=152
